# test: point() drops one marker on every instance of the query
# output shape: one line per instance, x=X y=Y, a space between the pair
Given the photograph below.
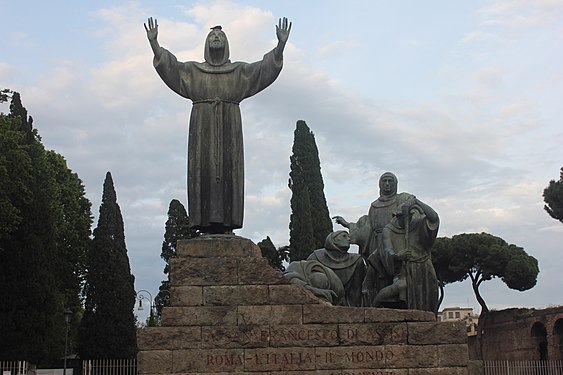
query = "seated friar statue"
x=349 y=267
x=317 y=278
x=405 y=257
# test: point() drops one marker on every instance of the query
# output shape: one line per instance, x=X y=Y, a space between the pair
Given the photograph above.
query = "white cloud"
x=520 y=14
x=6 y=70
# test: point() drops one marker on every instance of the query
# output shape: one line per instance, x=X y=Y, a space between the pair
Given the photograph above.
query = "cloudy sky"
x=461 y=100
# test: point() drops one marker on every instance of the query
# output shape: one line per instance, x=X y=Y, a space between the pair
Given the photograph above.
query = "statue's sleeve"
x=360 y=233
x=261 y=74
x=170 y=71
x=312 y=256
x=428 y=229
x=431 y=231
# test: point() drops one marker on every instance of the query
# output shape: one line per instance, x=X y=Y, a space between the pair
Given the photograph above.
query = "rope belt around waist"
x=420 y=259
x=215 y=101
x=218 y=119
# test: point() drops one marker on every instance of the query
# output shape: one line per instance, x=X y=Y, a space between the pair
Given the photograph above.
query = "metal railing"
x=109 y=367
x=523 y=367
x=13 y=367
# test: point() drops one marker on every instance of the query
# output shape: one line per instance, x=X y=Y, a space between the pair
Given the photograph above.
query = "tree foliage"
x=42 y=240
x=553 y=198
x=310 y=220
x=274 y=256
x=73 y=222
x=482 y=257
x=4 y=95
x=15 y=176
x=108 y=329
x=30 y=299
x=441 y=258
x=177 y=228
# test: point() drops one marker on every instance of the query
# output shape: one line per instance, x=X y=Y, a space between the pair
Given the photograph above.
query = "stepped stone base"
x=232 y=314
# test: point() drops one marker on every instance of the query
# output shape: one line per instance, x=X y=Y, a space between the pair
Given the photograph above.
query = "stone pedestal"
x=231 y=313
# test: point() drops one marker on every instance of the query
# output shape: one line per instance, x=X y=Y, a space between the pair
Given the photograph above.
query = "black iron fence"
x=109 y=367
x=129 y=367
x=13 y=367
x=523 y=367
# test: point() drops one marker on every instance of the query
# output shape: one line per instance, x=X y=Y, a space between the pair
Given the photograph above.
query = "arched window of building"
x=539 y=334
x=558 y=337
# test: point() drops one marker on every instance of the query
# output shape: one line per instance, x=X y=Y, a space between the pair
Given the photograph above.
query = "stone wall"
x=522 y=334
x=231 y=313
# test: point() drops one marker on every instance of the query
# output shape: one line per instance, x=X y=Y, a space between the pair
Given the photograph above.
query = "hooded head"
x=216 y=49
x=339 y=240
x=388 y=185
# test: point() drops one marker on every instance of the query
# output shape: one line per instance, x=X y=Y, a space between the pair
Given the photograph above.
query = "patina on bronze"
x=395 y=237
x=215 y=145
x=405 y=257
x=349 y=267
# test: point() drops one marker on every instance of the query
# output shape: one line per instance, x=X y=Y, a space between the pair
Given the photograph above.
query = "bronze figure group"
x=393 y=267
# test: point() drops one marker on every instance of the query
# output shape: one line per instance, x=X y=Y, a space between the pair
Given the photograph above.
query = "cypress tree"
x=107 y=329
x=301 y=239
x=310 y=220
x=17 y=110
x=177 y=228
x=31 y=308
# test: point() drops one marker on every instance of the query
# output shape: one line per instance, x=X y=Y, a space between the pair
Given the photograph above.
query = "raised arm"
x=431 y=215
x=340 y=220
x=152 y=34
x=282 y=32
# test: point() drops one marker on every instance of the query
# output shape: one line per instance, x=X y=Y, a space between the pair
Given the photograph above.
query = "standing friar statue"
x=366 y=232
x=215 y=145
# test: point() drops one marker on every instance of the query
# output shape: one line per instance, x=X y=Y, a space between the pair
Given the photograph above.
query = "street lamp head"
x=142 y=295
x=68 y=315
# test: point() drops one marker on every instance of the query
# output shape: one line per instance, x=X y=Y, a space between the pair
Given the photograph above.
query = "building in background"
x=523 y=335
x=461 y=313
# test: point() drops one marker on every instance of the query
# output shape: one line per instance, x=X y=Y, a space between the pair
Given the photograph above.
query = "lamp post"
x=144 y=294
x=68 y=318
x=161 y=299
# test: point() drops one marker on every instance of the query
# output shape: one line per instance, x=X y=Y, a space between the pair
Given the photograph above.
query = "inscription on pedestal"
x=304 y=335
x=268 y=359
x=374 y=334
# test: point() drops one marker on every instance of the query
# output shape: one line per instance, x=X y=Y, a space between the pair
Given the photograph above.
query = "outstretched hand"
x=340 y=220
x=152 y=29
x=282 y=30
